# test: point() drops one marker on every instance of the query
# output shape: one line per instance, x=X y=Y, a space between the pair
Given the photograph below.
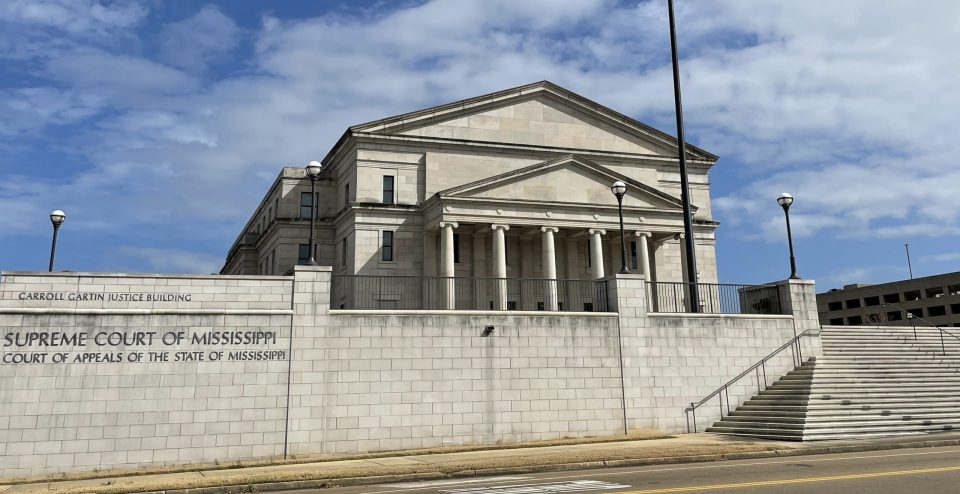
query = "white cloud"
x=841 y=103
x=74 y=16
x=198 y=40
x=174 y=260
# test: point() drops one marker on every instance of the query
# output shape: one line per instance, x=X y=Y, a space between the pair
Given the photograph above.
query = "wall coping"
x=90 y=274
x=719 y=316
x=489 y=313
x=127 y=312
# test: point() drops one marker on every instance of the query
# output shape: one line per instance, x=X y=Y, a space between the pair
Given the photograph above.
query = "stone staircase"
x=870 y=382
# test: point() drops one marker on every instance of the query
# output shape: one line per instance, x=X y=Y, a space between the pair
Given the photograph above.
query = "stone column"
x=596 y=252
x=500 y=255
x=643 y=261
x=549 y=259
x=446 y=265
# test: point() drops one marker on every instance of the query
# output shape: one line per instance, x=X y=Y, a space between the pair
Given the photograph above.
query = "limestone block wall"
x=381 y=382
x=104 y=371
x=120 y=371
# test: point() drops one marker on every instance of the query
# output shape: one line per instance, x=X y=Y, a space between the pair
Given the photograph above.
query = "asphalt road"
x=914 y=471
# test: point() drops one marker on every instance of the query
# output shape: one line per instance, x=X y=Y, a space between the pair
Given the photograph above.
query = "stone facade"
x=119 y=371
x=527 y=158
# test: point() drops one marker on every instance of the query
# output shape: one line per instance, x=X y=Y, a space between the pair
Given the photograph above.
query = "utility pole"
x=909 y=266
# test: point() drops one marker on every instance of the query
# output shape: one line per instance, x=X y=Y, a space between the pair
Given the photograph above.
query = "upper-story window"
x=306 y=205
x=346 y=194
x=303 y=254
x=386 y=249
x=388 y=189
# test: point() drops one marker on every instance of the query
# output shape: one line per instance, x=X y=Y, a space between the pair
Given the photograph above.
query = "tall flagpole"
x=691 y=256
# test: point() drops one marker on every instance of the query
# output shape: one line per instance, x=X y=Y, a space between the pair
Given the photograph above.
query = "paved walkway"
x=416 y=466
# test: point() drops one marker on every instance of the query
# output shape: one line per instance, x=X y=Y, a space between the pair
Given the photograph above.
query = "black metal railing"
x=913 y=318
x=759 y=370
x=445 y=293
x=715 y=298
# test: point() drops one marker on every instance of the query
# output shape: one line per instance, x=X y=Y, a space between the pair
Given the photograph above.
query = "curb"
x=354 y=481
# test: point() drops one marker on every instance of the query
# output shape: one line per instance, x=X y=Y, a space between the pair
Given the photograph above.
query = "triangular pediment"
x=569 y=179
x=539 y=114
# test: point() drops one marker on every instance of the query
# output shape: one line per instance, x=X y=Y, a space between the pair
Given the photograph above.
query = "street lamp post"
x=57 y=217
x=785 y=200
x=619 y=189
x=313 y=171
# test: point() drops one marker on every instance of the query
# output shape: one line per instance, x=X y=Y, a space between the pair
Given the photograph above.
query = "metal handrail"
x=912 y=316
x=756 y=368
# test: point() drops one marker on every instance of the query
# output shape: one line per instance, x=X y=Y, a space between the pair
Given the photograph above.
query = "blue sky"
x=157 y=126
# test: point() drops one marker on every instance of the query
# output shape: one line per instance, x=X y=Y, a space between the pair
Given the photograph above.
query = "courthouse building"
x=460 y=202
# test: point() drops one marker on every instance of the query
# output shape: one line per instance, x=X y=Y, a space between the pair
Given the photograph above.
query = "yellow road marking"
x=793 y=481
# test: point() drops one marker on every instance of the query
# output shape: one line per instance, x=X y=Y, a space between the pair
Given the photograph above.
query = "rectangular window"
x=855 y=320
x=835 y=306
x=511 y=305
x=633 y=255
x=916 y=312
x=838 y=321
x=871 y=301
x=388 y=189
x=911 y=296
x=456 y=248
x=955 y=308
x=306 y=205
x=343 y=252
x=894 y=315
x=953 y=289
x=937 y=310
x=588 y=306
x=891 y=298
x=935 y=292
x=853 y=304
x=386 y=249
x=589 y=254
x=346 y=195
x=303 y=254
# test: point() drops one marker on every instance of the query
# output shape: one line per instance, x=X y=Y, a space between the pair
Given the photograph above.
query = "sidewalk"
x=412 y=465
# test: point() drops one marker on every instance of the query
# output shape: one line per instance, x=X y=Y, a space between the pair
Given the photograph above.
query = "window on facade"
x=835 y=306
x=855 y=320
x=588 y=306
x=511 y=305
x=306 y=205
x=936 y=292
x=386 y=249
x=955 y=308
x=343 y=252
x=388 y=189
x=894 y=315
x=346 y=194
x=953 y=289
x=916 y=312
x=276 y=206
x=589 y=254
x=891 y=298
x=456 y=248
x=853 y=304
x=937 y=310
x=837 y=321
x=911 y=296
x=871 y=301
x=303 y=254
x=540 y=306
x=633 y=255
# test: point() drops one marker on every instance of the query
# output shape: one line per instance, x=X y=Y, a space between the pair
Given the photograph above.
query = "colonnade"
x=548 y=261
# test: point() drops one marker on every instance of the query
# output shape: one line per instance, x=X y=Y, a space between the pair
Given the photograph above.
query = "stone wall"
x=119 y=371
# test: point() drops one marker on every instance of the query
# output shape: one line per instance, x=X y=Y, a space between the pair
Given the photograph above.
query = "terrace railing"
x=446 y=293
x=715 y=298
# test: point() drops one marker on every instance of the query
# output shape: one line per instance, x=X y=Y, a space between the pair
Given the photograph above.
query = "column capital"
x=499 y=227
x=642 y=234
x=679 y=236
x=546 y=229
x=597 y=231
x=451 y=224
